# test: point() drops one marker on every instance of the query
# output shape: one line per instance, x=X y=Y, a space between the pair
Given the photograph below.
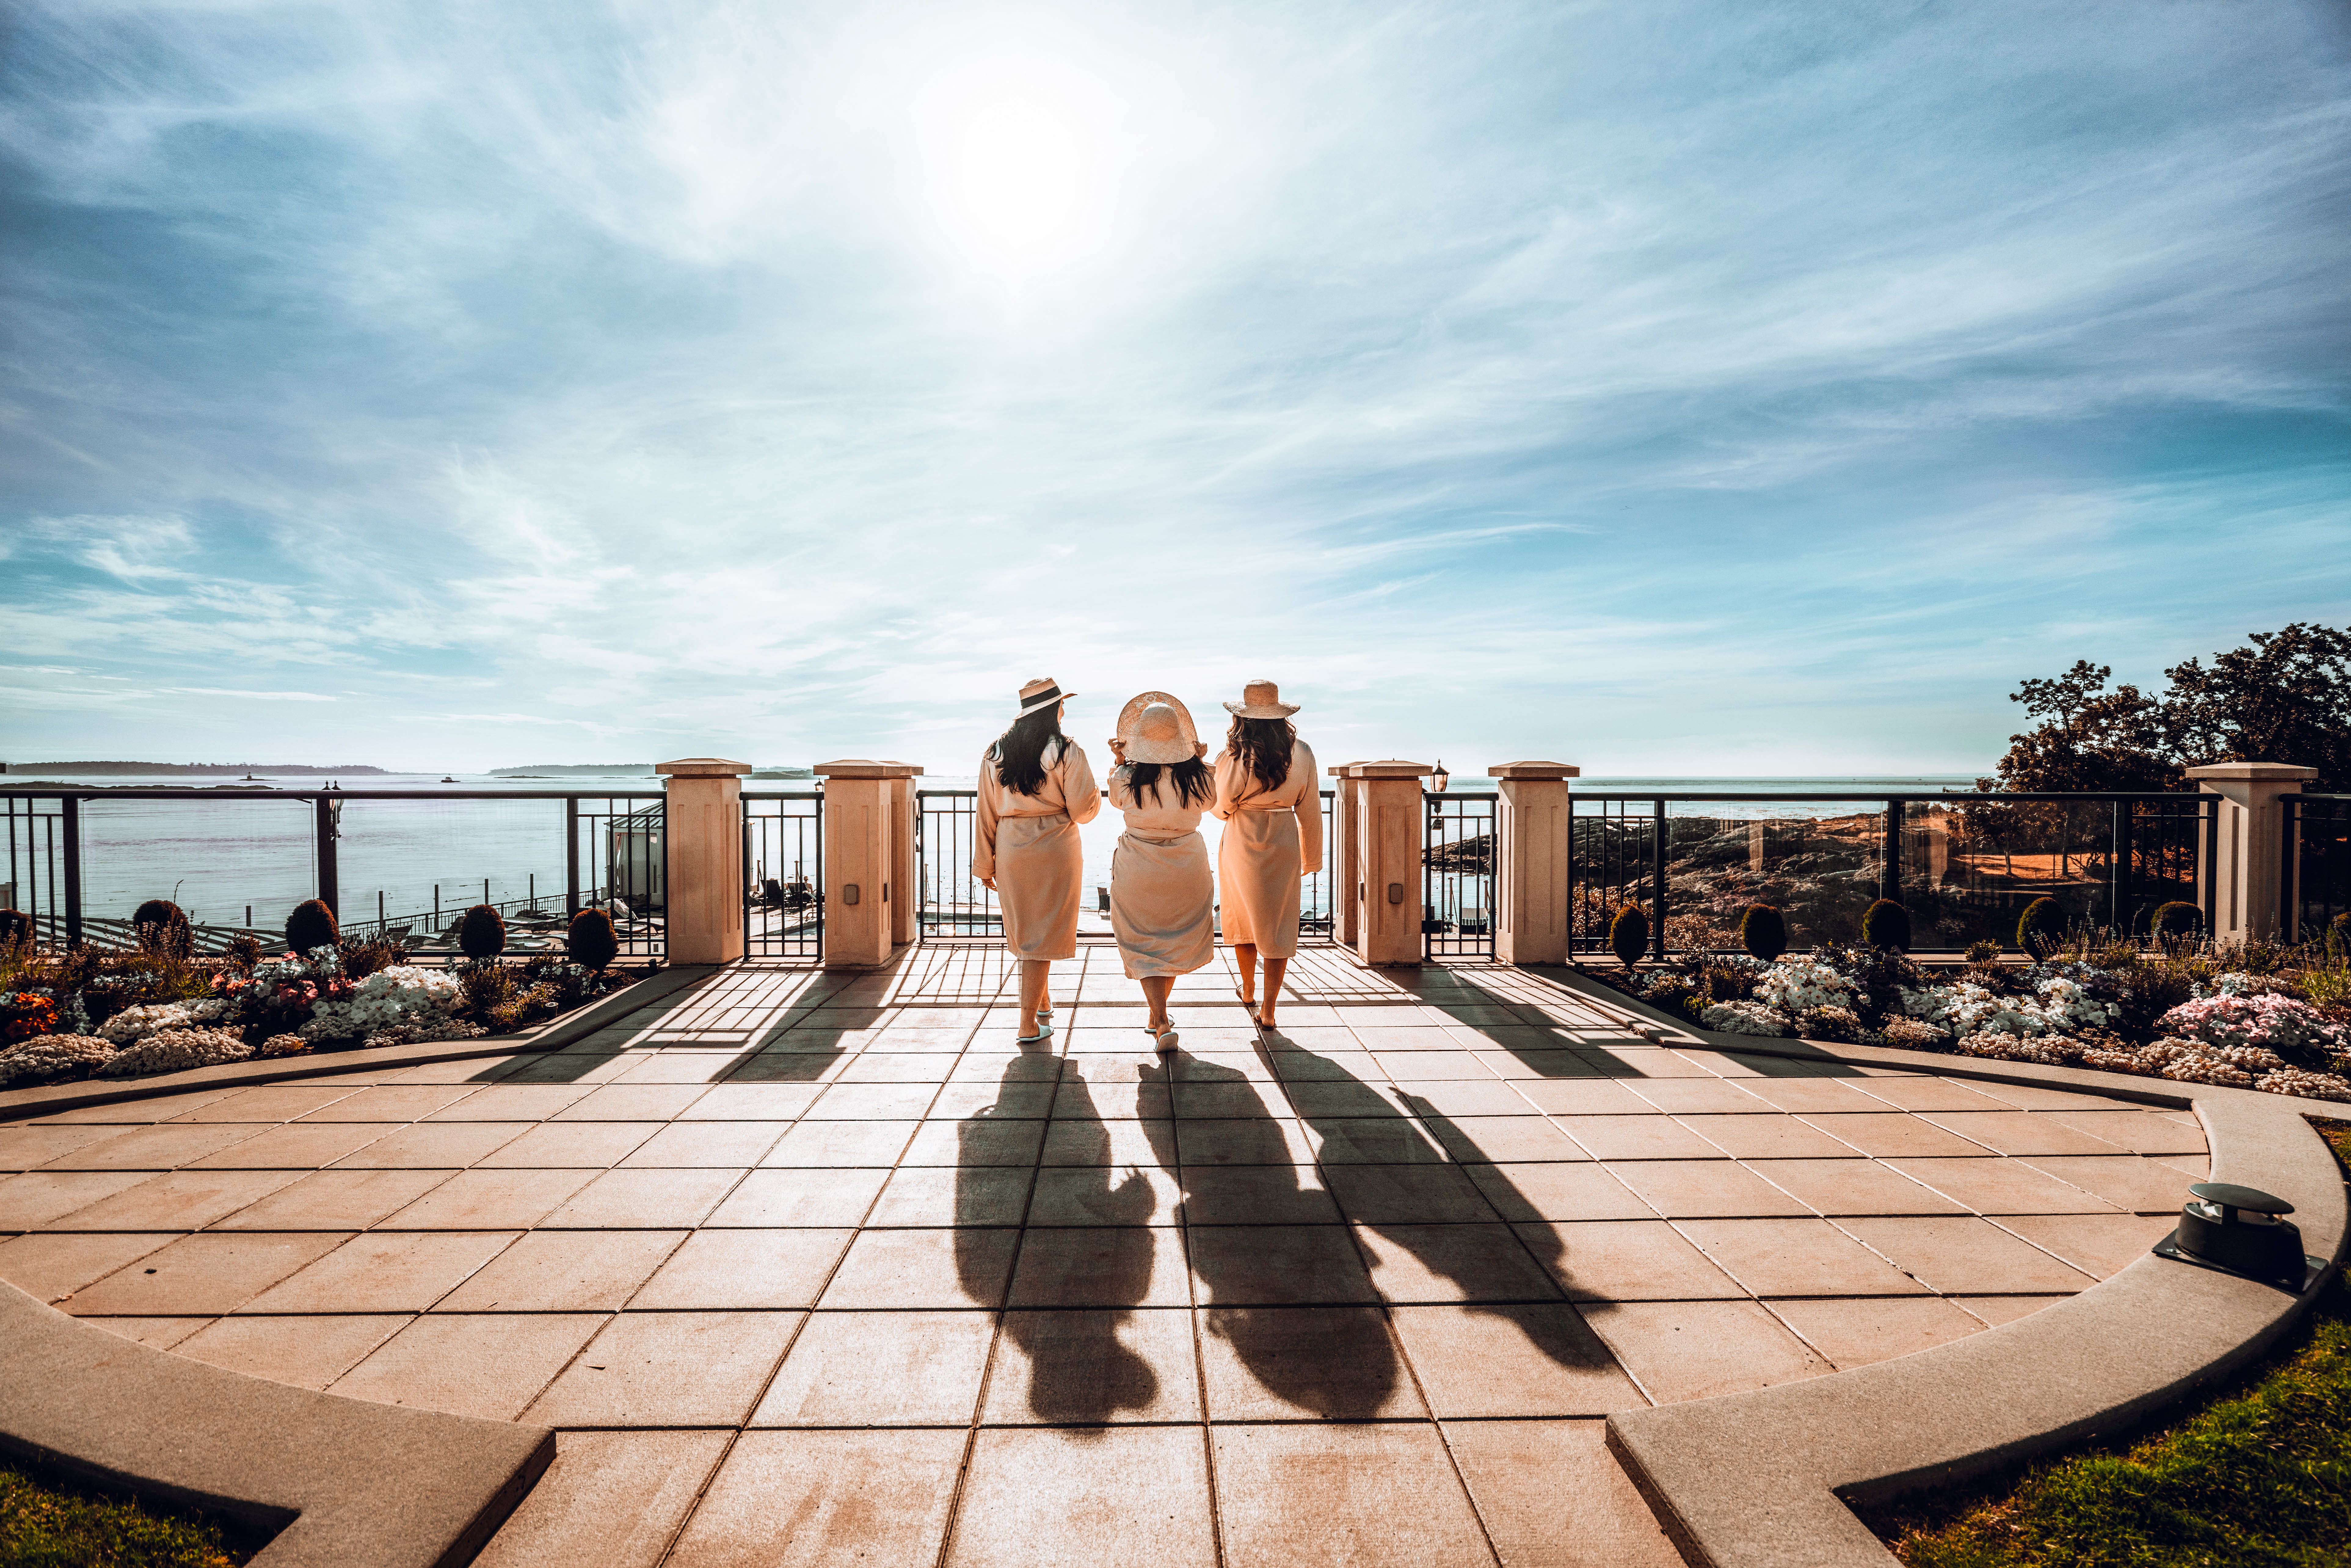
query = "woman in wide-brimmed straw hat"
x=1163 y=902
x=1036 y=788
x=1269 y=798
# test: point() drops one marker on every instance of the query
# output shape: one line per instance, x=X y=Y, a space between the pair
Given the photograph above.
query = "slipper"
x=1165 y=1040
x=1044 y=1032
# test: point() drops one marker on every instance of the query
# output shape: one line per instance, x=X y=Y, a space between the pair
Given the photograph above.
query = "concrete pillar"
x=1341 y=856
x=2241 y=879
x=860 y=859
x=704 y=815
x=1530 y=917
x=1390 y=838
x=905 y=888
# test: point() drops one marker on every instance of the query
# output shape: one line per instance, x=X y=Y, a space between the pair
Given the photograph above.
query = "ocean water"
x=219 y=858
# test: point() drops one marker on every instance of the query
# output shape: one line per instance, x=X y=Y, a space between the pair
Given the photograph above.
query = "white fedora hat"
x=1158 y=727
x=1041 y=692
x=1261 y=699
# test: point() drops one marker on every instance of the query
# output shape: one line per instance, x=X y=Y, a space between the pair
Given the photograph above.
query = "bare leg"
x=1155 y=991
x=1275 y=968
x=1032 y=991
x=1245 y=956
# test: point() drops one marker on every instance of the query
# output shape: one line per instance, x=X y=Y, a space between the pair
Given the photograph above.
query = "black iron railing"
x=612 y=846
x=2316 y=885
x=783 y=874
x=1460 y=864
x=950 y=901
x=1318 y=905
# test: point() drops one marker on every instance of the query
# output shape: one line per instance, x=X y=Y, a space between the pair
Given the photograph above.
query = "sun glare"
x=1019 y=136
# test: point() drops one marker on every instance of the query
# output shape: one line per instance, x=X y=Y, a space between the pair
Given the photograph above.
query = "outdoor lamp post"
x=1439 y=778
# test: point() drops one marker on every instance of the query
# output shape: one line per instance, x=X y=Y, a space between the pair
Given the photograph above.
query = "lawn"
x=43 y=1525
x=2258 y=1477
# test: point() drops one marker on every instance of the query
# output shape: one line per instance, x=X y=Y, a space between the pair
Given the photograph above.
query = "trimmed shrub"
x=161 y=926
x=2040 y=927
x=312 y=924
x=1984 y=952
x=482 y=933
x=15 y=925
x=1628 y=934
x=1886 y=926
x=2175 y=920
x=157 y=912
x=1763 y=931
x=591 y=941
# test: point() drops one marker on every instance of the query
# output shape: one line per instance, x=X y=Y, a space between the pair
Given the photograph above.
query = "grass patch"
x=2260 y=1477
x=45 y=1525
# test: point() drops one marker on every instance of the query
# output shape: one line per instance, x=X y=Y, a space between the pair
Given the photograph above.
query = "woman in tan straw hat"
x=1036 y=788
x=1269 y=799
x=1163 y=902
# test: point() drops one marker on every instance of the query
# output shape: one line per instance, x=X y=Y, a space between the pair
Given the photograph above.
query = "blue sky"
x=1678 y=388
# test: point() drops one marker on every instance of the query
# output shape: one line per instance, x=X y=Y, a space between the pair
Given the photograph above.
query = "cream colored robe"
x=1163 y=901
x=1029 y=843
x=1272 y=837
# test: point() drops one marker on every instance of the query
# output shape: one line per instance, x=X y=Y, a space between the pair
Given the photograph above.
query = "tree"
x=2286 y=698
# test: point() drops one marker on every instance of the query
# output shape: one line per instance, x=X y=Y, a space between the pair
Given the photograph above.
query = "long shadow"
x=1337 y=1361
x=1079 y=1371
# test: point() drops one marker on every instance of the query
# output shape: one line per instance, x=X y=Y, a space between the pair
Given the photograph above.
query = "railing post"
x=70 y=809
x=906 y=894
x=571 y=856
x=1344 y=858
x=702 y=823
x=2118 y=868
x=1889 y=870
x=1530 y=897
x=861 y=861
x=2249 y=843
x=1390 y=836
x=331 y=893
x=1657 y=887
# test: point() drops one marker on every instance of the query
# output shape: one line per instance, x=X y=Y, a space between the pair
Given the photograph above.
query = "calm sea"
x=219 y=858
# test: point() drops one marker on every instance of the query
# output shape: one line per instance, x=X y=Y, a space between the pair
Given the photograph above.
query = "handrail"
x=216 y=793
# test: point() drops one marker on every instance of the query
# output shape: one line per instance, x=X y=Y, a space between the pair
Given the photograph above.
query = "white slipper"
x=1165 y=1040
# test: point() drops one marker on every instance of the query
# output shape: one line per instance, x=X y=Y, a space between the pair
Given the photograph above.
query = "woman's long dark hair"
x=1261 y=747
x=1194 y=785
x=1019 y=752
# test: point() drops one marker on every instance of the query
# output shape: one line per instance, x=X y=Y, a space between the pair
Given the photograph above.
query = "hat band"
x=1050 y=695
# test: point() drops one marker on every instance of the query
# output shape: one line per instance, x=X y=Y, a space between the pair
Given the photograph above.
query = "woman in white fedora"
x=1268 y=798
x=1036 y=789
x=1163 y=902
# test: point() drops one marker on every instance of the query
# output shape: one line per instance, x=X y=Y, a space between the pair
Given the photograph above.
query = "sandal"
x=1165 y=1039
x=1044 y=1032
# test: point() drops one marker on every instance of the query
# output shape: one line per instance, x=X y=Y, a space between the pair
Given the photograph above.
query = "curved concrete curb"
x=1762 y=1479
x=354 y=1484
x=16 y=1105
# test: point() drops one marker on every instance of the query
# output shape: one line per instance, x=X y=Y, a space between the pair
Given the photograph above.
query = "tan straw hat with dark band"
x=1041 y=692
x=1261 y=699
x=1158 y=727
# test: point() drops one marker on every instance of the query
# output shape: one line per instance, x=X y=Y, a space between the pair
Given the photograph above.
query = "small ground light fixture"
x=2239 y=1230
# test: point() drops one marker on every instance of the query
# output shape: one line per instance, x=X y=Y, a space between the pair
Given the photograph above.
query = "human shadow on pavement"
x=1291 y=1299
x=1072 y=1284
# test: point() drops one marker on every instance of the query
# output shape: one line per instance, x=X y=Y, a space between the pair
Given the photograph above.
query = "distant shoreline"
x=185 y=770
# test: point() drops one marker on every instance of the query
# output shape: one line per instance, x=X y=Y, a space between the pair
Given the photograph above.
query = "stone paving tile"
x=23 y=1147
x=2141 y=1131
x=490 y=1199
x=305 y=1352
x=161 y=1333
x=1767 y=1136
x=2126 y=1182
x=924 y=1269
x=612 y=1498
x=404 y=1102
x=1696 y=1350
x=668 y=1369
x=178 y=1200
x=1561 y=1192
x=1703 y=1189
x=1094 y=1366
x=156 y=1148
x=385 y=1271
x=1965 y=1255
x=489 y=1366
x=1274 y=1265
x=1796 y=1258
x=565 y=1272
x=2001 y=1186
x=1406 y=1507
x=510 y=1103
x=50 y=1267
x=2097 y=1244
x=1276 y=1364
x=744 y=1269
x=828 y=1145
x=1447 y=1263
x=882 y=1369
x=296 y=1147
x=1856 y=1330
x=810 y=1197
x=435 y=1145
x=1854 y=1186
x=1895 y=1134
x=1100 y=1265
x=36 y=1198
x=209 y=1274
x=1626 y=1260
x=1514 y=1471
x=867 y=1497
x=644 y=1199
x=590 y=1146
x=2021 y=1131
x=1038 y=1498
x=272 y=1102
x=1522 y=1360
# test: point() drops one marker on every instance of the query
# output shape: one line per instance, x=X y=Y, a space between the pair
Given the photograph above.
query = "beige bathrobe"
x=1029 y=843
x=1163 y=902
x=1272 y=837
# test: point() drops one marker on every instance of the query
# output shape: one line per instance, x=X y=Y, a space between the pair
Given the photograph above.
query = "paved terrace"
x=813 y=1268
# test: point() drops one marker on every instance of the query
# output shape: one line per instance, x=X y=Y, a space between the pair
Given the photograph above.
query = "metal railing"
x=949 y=900
x=2315 y=888
x=1460 y=864
x=1963 y=864
x=613 y=847
x=783 y=874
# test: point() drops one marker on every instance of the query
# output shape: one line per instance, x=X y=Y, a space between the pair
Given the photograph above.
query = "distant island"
x=182 y=769
x=563 y=769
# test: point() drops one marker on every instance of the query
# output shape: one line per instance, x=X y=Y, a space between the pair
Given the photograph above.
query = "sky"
x=1675 y=388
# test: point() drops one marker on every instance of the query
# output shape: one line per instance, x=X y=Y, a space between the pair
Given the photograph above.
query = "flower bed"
x=2264 y=1017
x=65 y=1016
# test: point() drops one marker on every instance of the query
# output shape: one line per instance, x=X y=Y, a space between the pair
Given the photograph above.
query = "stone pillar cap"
x=1338 y=770
x=2254 y=772
x=1534 y=770
x=702 y=768
x=862 y=767
x=1388 y=770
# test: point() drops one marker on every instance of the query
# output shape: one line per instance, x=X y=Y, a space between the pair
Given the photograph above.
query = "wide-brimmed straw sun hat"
x=1158 y=727
x=1261 y=699
x=1041 y=692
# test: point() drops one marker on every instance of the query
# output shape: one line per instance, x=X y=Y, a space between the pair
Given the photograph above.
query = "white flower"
x=133 y=1024
x=1800 y=985
x=381 y=1002
x=1743 y=1018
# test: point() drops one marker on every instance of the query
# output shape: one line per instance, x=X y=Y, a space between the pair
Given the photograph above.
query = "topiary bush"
x=1886 y=926
x=1763 y=931
x=481 y=933
x=1628 y=934
x=591 y=941
x=2172 y=921
x=2040 y=927
x=161 y=926
x=157 y=912
x=312 y=924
